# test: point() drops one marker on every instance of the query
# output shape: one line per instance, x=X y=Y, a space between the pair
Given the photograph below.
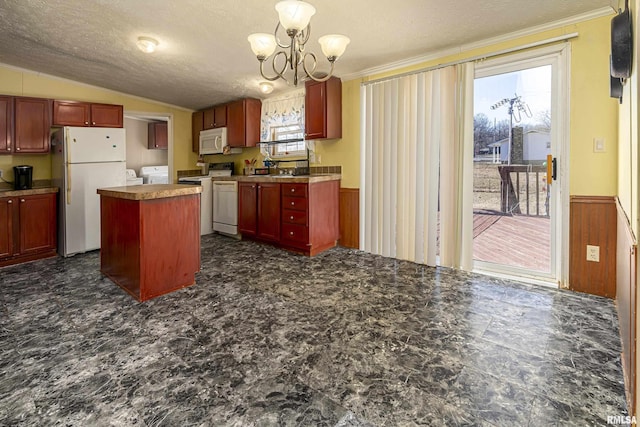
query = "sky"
x=533 y=85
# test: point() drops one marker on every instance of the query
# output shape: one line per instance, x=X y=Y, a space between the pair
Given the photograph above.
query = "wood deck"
x=518 y=241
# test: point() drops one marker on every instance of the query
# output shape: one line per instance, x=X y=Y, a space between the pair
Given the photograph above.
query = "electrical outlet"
x=593 y=253
x=598 y=145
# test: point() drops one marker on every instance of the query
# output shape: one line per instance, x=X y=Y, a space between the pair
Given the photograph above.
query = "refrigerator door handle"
x=67 y=168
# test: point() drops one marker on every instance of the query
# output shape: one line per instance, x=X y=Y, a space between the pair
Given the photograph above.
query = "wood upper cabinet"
x=32 y=125
x=215 y=117
x=28 y=227
x=197 y=124
x=323 y=109
x=74 y=113
x=107 y=115
x=243 y=122
x=6 y=124
x=158 y=136
x=259 y=210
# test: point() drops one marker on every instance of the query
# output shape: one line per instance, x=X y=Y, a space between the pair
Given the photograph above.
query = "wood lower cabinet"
x=83 y=114
x=28 y=228
x=323 y=109
x=158 y=136
x=310 y=216
x=6 y=124
x=259 y=210
x=32 y=125
x=297 y=216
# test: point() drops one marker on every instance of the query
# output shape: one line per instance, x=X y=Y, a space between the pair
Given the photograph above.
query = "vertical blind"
x=412 y=148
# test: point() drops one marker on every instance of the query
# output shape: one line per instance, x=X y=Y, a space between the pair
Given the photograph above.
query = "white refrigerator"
x=83 y=160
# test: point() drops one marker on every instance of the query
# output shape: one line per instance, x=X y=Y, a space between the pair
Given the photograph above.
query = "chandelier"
x=294 y=17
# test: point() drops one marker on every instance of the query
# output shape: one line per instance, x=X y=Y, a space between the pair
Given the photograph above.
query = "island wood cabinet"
x=32 y=125
x=197 y=124
x=158 y=137
x=150 y=237
x=243 y=122
x=259 y=210
x=27 y=228
x=6 y=123
x=323 y=109
x=302 y=217
x=75 y=113
x=215 y=117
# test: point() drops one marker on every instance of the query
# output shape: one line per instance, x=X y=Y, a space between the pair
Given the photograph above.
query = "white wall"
x=138 y=154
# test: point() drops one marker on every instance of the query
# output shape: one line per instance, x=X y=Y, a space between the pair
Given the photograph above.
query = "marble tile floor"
x=270 y=338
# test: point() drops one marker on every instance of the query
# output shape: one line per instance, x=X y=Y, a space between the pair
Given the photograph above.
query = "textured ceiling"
x=204 y=57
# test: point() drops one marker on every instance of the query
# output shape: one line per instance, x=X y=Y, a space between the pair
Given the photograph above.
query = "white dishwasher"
x=225 y=207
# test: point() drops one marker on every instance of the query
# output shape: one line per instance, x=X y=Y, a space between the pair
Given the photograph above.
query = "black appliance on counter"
x=22 y=177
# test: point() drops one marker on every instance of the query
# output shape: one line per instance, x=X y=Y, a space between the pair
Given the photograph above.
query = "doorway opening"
x=518 y=117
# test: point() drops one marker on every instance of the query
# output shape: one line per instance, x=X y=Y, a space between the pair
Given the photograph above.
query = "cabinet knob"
x=291 y=233
x=93 y=123
x=291 y=217
x=293 y=203
x=86 y=123
x=17 y=148
x=9 y=202
x=156 y=145
x=293 y=190
x=21 y=200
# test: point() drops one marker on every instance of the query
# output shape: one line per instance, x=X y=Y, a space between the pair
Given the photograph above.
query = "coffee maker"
x=22 y=177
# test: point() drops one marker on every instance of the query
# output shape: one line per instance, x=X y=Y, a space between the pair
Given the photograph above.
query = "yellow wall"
x=25 y=83
x=593 y=112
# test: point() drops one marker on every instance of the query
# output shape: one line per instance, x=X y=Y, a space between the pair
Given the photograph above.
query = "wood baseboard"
x=592 y=222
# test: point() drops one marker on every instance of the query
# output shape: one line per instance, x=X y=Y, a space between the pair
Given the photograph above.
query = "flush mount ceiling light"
x=147 y=44
x=266 y=87
x=294 y=17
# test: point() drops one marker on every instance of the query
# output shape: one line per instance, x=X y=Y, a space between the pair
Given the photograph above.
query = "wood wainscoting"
x=350 y=218
x=626 y=281
x=592 y=222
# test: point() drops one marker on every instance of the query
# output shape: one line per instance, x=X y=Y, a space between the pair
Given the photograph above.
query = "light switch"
x=598 y=145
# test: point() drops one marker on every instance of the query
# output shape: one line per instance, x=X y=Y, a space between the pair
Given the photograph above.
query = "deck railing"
x=533 y=199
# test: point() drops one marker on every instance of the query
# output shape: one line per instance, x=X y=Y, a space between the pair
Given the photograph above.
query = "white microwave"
x=213 y=141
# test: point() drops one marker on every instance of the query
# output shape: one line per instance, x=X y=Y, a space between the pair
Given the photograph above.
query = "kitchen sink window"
x=282 y=119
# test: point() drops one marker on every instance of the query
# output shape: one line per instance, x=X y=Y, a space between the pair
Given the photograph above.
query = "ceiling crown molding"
x=597 y=13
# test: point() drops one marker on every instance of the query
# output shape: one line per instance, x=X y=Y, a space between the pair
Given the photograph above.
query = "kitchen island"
x=150 y=237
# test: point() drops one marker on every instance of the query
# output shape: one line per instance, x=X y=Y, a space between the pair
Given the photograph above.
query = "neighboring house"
x=537 y=144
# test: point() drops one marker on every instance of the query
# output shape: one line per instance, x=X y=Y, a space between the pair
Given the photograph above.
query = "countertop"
x=8 y=192
x=150 y=191
x=304 y=179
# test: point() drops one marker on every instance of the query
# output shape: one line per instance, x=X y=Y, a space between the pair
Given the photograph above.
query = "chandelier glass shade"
x=295 y=17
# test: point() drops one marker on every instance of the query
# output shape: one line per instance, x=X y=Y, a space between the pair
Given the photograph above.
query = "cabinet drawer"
x=295 y=233
x=294 y=217
x=295 y=203
x=294 y=190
